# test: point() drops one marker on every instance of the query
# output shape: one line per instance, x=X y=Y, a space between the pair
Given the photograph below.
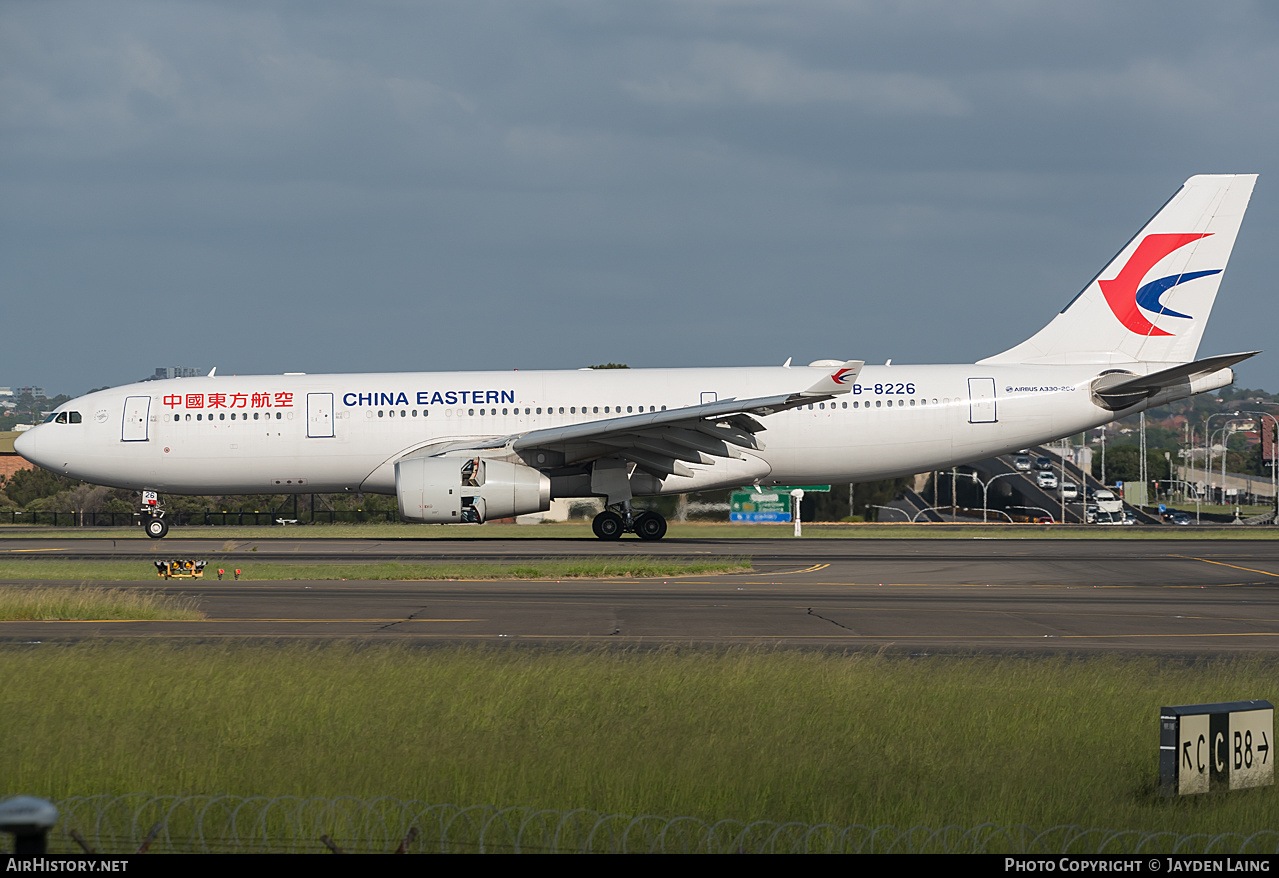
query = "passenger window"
x=596 y=410
x=539 y=409
x=279 y=415
x=255 y=416
x=471 y=412
x=878 y=403
x=381 y=414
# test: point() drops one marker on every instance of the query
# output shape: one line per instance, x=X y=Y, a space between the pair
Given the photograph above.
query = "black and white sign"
x=1213 y=747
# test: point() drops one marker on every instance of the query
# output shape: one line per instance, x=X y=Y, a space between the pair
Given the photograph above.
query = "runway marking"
x=215 y=621
x=812 y=569
x=1223 y=564
x=36 y=550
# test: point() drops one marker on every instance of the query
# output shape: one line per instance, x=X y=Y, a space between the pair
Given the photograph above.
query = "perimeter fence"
x=234 y=824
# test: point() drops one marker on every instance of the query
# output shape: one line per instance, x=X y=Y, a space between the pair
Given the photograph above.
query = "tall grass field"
x=730 y=733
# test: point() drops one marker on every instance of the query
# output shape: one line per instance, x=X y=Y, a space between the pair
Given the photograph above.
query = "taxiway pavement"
x=1180 y=597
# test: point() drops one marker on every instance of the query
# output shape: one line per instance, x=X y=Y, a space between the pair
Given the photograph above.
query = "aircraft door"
x=981 y=401
x=319 y=415
x=137 y=413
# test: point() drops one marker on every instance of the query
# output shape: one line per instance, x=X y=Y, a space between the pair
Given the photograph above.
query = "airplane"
x=466 y=447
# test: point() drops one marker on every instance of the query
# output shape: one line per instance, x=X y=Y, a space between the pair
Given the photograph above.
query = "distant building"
x=164 y=372
x=10 y=460
x=36 y=392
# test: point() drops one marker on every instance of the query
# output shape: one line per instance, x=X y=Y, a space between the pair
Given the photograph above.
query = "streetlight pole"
x=1274 y=459
x=984 y=488
x=901 y=512
x=1208 y=452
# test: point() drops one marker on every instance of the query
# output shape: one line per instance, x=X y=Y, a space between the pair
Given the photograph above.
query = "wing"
x=662 y=443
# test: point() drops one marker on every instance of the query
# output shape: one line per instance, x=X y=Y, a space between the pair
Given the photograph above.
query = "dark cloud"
x=329 y=186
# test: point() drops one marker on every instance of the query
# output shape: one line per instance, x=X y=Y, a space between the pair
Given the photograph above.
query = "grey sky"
x=320 y=186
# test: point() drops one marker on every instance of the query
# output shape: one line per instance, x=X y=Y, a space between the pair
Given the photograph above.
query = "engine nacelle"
x=453 y=490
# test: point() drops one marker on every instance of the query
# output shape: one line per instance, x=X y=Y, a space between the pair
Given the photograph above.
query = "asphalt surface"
x=1188 y=597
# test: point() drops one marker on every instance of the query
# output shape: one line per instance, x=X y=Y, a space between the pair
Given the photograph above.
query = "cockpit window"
x=63 y=418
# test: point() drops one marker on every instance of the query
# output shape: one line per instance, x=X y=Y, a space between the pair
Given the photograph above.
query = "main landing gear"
x=610 y=525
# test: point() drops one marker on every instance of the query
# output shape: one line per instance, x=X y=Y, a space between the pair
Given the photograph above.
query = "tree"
x=1123 y=464
x=27 y=485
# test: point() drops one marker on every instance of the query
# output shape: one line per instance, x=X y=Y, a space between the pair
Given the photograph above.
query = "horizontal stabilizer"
x=1118 y=390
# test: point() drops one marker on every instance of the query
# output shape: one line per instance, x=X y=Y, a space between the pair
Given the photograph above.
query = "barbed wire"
x=289 y=824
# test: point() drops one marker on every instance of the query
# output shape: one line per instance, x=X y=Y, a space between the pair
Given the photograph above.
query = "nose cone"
x=25 y=445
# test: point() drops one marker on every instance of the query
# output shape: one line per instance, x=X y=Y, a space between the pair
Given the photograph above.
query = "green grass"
x=630 y=567
x=88 y=602
x=733 y=733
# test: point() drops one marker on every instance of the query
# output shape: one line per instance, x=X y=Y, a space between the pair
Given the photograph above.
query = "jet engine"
x=471 y=490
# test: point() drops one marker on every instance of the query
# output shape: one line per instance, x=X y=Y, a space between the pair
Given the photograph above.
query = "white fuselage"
x=330 y=433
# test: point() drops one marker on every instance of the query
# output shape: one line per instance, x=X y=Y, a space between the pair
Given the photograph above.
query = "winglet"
x=839 y=381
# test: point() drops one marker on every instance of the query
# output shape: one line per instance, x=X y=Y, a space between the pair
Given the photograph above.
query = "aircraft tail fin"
x=1152 y=301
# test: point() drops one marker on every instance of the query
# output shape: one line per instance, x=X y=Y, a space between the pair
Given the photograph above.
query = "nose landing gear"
x=153 y=516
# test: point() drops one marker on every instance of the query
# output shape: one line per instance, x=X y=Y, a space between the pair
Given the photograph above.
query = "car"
x=1178 y=518
x=1090 y=513
x=1046 y=479
x=1069 y=491
x=1044 y=464
x=1021 y=463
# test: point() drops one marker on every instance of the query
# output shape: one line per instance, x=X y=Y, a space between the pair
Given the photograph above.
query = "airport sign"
x=772 y=505
x=1215 y=747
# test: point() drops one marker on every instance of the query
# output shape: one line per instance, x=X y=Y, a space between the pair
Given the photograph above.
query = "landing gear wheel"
x=650 y=526
x=608 y=526
x=156 y=528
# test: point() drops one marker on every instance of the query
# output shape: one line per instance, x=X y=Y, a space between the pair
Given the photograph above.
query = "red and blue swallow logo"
x=842 y=376
x=1124 y=296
